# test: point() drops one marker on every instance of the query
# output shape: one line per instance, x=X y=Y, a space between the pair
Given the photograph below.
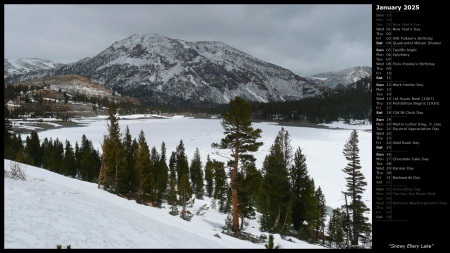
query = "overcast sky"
x=307 y=39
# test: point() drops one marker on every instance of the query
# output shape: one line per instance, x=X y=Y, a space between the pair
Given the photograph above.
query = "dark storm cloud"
x=306 y=39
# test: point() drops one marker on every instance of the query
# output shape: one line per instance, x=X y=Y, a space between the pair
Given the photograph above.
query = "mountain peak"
x=158 y=69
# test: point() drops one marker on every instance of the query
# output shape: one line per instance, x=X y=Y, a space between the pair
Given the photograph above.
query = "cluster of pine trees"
x=81 y=162
x=281 y=191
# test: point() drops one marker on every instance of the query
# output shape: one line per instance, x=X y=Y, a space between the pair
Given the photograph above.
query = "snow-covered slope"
x=343 y=77
x=50 y=209
x=25 y=65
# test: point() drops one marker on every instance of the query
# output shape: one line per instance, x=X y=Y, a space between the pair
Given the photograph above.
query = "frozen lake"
x=322 y=147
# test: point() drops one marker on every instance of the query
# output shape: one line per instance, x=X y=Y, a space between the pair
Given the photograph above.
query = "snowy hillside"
x=50 y=209
x=25 y=65
x=343 y=77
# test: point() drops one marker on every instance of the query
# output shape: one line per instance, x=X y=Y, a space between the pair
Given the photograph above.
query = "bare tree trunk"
x=235 y=210
x=102 y=173
x=278 y=218
x=285 y=219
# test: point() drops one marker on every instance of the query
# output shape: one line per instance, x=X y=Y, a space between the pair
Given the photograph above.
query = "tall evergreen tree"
x=69 y=163
x=144 y=170
x=321 y=214
x=33 y=152
x=129 y=148
x=182 y=167
x=89 y=161
x=299 y=180
x=221 y=185
x=161 y=175
x=355 y=188
x=172 y=194
x=276 y=212
x=310 y=208
x=209 y=176
x=240 y=138
x=57 y=156
x=77 y=160
x=154 y=160
x=246 y=204
x=253 y=183
x=46 y=149
x=112 y=171
x=197 y=175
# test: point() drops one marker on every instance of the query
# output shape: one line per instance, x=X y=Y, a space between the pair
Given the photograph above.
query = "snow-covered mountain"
x=156 y=68
x=343 y=77
x=25 y=65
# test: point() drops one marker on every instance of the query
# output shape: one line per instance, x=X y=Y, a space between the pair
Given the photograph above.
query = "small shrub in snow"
x=202 y=210
x=15 y=171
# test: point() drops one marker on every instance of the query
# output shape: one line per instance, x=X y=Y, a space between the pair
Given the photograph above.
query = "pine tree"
x=112 y=171
x=240 y=138
x=299 y=179
x=172 y=194
x=310 y=208
x=154 y=160
x=69 y=163
x=57 y=156
x=321 y=214
x=182 y=164
x=253 y=183
x=89 y=161
x=46 y=149
x=129 y=148
x=161 y=175
x=182 y=168
x=355 y=188
x=77 y=160
x=209 y=176
x=270 y=244
x=276 y=212
x=197 y=175
x=246 y=204
x=144 y=171
x=336 y=232
x=33 y=152
x=221 y=185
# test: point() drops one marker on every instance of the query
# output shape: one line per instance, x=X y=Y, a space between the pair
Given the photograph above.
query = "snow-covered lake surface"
x=322 y=147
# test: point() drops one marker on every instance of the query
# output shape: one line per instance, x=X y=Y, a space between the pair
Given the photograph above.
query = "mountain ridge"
x=159 y=69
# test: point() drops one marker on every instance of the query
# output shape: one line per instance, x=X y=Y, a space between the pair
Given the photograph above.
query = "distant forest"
x=351 y=102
